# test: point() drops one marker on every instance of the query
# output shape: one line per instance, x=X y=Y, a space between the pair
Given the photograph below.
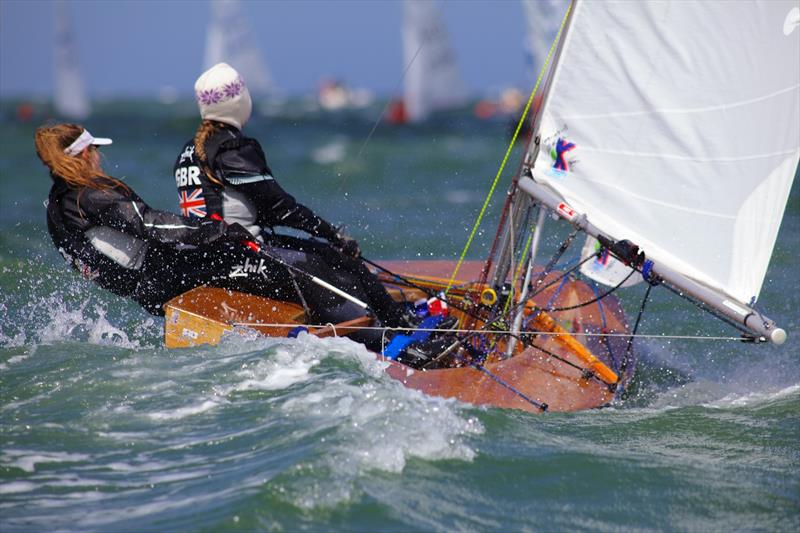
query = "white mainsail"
x=230 y=40
x=69 y=95
x=676 y=125
x=433 y=81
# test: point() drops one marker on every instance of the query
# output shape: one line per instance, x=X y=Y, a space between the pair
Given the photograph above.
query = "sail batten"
x=678 y=128
x=618 y=114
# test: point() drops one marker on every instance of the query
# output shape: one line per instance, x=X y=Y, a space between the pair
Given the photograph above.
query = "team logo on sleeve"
x=192 y=203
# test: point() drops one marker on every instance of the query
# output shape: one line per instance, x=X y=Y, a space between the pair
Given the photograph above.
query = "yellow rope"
x=508 y=152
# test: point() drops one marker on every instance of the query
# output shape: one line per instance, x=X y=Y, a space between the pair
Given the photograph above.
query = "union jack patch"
x=192 y=203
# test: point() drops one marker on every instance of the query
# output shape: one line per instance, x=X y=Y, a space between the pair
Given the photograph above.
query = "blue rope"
x=539 y=405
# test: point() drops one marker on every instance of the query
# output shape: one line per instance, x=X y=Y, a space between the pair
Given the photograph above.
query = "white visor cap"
x=83 y=141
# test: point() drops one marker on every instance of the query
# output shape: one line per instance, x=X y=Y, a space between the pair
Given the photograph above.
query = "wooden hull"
x=548 y=372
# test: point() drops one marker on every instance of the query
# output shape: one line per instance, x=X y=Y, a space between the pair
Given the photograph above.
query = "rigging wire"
x=626 y=357
x=388 y=102
x=500 y=332
x=593 y=300
x=508 y=152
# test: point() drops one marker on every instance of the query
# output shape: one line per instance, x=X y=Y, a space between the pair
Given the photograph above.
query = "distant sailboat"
x=432 y=81
x=231 y=40
x=542 y=20
x=69 y=95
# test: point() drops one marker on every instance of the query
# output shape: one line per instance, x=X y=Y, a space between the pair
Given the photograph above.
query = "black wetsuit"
x=243 y=190
x=113 y=238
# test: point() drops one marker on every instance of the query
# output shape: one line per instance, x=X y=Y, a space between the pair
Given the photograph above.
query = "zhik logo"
x=243 y=271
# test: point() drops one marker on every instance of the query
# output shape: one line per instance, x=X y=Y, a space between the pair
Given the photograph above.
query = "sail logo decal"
x=562 y=153
x=192 y=203
x=559 y=152
x=602 y=257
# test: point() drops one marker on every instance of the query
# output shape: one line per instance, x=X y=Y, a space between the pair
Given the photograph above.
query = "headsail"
x=69 y=97
x=433 y=81
x=230 y=40
x=678 y=128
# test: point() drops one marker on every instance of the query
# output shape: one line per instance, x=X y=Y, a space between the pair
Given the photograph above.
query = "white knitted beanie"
x=222 y=95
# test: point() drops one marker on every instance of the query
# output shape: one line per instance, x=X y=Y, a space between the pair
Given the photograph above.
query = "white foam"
x=753 y=398
x=291 y=361
x=183 y=412
x=27 y=459
x=377 y=426
x=283 y=369
x=16 y=487
x=332 y=152
x=102 y=332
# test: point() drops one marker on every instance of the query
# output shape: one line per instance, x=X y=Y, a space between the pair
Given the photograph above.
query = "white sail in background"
x=231 y=40
x=542 y=20
x=676 y=125
x=69 y=95
x=433 y=81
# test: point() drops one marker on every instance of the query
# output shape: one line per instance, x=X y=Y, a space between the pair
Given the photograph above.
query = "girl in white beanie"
x=222 y=173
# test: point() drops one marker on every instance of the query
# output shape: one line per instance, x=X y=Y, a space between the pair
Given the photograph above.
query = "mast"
x=521 y=204
x=515 y=328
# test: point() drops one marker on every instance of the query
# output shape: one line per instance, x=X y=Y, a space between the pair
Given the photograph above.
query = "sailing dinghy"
x=672 y=138
x=432 y=80
x=236 y=47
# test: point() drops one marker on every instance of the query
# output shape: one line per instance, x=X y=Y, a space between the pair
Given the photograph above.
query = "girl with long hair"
x=222 y=173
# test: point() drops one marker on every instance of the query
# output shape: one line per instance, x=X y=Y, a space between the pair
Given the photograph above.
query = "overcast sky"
x=128 y=47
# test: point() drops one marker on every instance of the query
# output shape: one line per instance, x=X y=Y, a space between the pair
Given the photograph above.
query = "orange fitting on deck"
x=544 y=322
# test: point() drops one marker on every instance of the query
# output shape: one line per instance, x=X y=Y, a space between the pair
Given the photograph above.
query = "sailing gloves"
x=237 y=233
x=346 y=245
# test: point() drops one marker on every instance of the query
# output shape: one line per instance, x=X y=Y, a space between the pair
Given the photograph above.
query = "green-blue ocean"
x=104 y=429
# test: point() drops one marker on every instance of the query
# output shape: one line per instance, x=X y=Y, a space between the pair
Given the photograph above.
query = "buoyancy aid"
x=236 y=182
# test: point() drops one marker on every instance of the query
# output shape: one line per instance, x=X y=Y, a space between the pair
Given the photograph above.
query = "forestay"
x=676 y=125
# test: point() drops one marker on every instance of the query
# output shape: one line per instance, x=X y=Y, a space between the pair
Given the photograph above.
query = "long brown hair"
x=204 y=131
x=77 y=172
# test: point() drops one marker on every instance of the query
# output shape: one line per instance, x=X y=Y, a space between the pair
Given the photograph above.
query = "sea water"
x=104 y=429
